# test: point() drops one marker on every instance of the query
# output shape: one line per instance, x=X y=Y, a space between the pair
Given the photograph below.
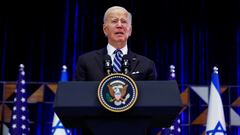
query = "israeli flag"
x=57 y=126
x=215 y=118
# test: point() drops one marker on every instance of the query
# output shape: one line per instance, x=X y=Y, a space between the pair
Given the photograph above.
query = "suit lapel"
x=99 y=58
x=133 y=60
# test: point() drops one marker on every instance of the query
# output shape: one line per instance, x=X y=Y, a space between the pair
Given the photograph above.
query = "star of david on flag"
x=57 y=126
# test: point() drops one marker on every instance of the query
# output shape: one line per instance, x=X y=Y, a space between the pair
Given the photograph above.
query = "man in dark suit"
x=117 y=28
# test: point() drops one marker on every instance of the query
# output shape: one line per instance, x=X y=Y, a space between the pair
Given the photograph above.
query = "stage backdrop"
x=192 y=35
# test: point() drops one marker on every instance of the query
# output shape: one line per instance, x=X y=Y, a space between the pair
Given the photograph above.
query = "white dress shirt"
x=111 y=49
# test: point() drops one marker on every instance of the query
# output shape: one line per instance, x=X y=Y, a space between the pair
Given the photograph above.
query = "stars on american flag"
x=19 y=119
x=175 y=128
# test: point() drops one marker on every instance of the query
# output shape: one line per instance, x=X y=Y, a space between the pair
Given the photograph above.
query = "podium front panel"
x=158 y=104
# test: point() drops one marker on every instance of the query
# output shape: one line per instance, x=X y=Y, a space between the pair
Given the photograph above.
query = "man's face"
x=117 y=27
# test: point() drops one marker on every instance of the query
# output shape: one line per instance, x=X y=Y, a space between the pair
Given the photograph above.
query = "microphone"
x=125 y=64
x=108 y=64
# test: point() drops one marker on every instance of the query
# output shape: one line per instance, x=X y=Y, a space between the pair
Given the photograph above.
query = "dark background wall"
x=192 y=35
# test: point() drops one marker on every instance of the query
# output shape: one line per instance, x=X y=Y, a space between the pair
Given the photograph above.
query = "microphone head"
x=125 y=57
x=108 y=64
x=107 y=57
x=125 y=64
x=125 y=60
x=107 y=60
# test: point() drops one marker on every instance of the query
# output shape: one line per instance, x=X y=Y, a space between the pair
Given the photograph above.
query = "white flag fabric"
x=215 y=118
x=58 y=128
x=5 y=130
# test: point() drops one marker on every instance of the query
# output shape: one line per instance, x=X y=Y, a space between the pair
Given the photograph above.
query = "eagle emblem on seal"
x=118 y=93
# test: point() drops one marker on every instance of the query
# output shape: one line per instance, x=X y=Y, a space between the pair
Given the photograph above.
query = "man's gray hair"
x=109 y=10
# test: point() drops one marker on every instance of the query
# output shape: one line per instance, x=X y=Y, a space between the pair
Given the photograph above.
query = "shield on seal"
x=117 y=92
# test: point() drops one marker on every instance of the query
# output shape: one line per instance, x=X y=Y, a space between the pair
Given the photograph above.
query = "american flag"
x=19 y=120
x=175 y=128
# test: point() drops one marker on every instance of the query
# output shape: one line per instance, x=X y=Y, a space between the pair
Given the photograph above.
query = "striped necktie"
x=117 y=62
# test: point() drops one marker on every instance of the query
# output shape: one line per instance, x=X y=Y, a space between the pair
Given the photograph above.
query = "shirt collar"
x=111 y=49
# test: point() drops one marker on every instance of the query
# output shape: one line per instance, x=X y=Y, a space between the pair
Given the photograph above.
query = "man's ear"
x=105 y=29
x=130 y=31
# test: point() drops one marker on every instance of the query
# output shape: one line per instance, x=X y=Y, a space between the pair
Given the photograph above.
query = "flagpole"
x=57 y=126
x=215 y=116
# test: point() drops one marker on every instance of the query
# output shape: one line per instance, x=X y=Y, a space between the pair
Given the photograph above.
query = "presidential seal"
x=117 y=92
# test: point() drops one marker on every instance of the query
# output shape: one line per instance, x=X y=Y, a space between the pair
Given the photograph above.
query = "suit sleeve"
x=80 y=71
x=152 y=75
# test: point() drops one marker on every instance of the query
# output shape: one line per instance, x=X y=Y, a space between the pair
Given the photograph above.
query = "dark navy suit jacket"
x=90 y=66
